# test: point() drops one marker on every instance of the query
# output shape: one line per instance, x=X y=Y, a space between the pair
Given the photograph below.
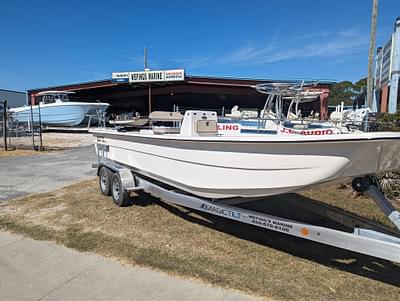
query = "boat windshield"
x=61 y=97
x=52 y=98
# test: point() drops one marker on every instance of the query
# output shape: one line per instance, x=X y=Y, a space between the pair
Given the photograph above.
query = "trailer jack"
x=367 y=185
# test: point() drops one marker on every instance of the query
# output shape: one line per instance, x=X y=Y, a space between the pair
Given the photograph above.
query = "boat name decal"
x=228 y=129
x=307 y=132
x=220 y=211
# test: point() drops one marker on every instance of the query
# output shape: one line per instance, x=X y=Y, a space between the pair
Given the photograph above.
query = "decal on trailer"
x=270 y=223
x=220 y=211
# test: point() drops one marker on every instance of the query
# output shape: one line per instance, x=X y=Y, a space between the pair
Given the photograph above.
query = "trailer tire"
x=105 y=176
x=119 y=195
x=361 y=184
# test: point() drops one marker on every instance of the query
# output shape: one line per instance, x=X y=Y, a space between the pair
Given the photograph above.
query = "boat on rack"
x=195 y=158
x=56 y=109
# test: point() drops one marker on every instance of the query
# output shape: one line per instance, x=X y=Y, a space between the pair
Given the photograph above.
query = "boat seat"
x=235 y=113
x=249 y=114
x=166 y=116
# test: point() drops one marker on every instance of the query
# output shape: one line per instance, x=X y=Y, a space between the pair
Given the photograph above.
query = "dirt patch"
x=196 y=245
x=22 y=146
x=18 y=153
x=64 y=140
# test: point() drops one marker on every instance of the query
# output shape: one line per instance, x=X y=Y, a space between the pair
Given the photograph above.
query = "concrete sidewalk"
x=40 y=270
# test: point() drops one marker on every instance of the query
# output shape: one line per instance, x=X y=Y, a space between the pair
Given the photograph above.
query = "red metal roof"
x=200 y=80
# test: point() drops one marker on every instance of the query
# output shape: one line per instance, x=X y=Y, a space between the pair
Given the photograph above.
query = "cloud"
x=319 y=44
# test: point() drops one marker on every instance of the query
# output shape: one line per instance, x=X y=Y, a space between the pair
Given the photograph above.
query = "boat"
x=56 y=109
x=350 y=116
x=128 y=120
x=195 y=158
x=282 y=112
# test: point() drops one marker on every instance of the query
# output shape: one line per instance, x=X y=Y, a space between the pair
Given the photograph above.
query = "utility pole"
x=370 y=78
x=146 y=68
x=145 y=58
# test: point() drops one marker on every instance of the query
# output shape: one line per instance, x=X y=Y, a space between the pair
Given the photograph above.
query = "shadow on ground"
x=285 y=206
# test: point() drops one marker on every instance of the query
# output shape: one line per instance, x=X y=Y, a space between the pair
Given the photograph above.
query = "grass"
x=196 y=245
x=26 y=152
x=22 y=146
x=342 y=198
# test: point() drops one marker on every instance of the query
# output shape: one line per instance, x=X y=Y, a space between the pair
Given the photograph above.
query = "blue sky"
x=45 y=43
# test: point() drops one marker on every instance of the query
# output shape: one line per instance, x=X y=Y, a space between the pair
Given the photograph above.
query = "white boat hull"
x=57 y=114
x=251 y=166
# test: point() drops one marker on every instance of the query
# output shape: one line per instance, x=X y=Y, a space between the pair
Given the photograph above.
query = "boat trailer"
x=119 y=181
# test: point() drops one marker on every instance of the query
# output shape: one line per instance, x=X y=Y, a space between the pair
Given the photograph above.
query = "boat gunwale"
x=228 y=139
x=66 y=103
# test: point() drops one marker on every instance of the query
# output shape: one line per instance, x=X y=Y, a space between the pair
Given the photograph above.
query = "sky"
x=45 y=43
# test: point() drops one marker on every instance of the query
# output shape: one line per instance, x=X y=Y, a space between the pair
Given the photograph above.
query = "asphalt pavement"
x=20 y=176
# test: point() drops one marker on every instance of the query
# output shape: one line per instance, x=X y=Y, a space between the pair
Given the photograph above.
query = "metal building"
x=387 y=74
x=14 y=98
x=202 y=92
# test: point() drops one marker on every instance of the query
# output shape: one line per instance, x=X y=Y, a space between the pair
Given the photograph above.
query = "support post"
x=32 y=127
x=323 y=109
x=5 y=125
x=384 y=99
x=40 y=130
x=150 y=104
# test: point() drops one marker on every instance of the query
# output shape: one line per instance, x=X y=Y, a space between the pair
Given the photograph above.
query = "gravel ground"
x=20 y=176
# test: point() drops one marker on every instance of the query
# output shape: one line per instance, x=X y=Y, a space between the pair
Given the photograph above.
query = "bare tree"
x=370 y=80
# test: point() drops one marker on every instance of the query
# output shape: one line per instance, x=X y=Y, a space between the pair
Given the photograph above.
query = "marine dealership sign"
x=149 y=76
x=120 y=77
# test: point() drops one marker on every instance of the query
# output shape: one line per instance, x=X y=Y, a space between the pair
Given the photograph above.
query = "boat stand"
x=363 y=240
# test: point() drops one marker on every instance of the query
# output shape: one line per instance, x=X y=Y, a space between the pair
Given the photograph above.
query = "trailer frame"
x=366 y=241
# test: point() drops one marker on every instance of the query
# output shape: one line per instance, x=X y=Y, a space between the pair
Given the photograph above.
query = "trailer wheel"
x=105 y=176
x=119 y=195
x=361 y=184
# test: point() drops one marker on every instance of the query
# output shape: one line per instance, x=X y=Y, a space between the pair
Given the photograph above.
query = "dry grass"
x=18 y=153
x=342 y=198
x=28 y=152
x=22 y=146
x=197 y=245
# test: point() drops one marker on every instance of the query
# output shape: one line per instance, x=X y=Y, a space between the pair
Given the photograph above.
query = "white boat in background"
x=128 y=120
x=199 y=161
x=274 y=118
x=350 y=116
x=56 y=109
